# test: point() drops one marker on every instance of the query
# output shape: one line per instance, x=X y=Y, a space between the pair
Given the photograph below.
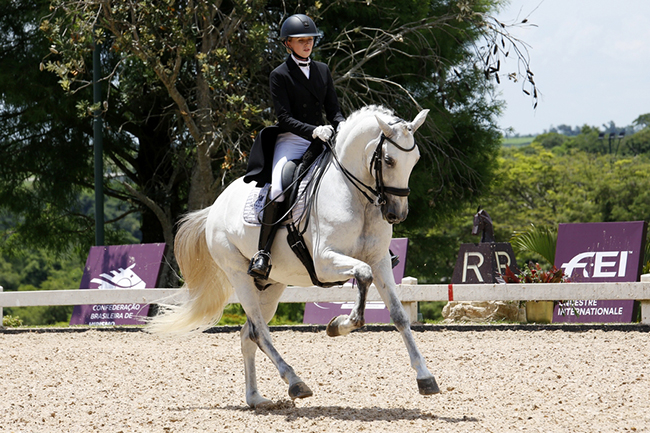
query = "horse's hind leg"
x=343 y=325
x=249 y=348
x=260 y=308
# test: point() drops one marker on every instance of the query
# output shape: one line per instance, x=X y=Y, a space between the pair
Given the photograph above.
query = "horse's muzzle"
x=394 y=212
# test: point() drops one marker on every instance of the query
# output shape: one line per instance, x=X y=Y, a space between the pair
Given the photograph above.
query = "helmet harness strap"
x=296 y=55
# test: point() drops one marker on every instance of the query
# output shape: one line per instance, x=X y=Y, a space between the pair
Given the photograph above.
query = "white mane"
x=368 y=111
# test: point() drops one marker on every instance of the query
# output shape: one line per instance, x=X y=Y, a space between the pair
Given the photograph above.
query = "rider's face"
x=301 y=46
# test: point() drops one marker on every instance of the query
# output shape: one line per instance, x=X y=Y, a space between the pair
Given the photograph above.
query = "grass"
x=517 y=141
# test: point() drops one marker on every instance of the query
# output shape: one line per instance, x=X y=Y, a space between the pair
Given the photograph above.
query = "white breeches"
x=287 y=147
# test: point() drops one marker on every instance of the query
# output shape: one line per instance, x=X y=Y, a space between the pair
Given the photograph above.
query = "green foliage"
x=550 y=140
x=638 y=144
x=46 y=178
x=537 y=240
x=540 y=187
x=38 y=270
x=233 y=314
x=11 y=321
x=432 y=311
x=642 y=121
x=286 y=314
x=517 y=141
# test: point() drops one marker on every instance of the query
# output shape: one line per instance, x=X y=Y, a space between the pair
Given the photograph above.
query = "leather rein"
x=380 y=190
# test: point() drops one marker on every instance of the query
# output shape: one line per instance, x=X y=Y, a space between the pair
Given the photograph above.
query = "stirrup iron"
x=261 y=272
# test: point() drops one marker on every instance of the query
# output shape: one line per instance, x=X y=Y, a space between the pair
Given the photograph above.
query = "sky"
x=591 y=60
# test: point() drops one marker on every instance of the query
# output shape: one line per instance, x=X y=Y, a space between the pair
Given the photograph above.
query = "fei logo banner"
x=599 y=252
x=118 y=267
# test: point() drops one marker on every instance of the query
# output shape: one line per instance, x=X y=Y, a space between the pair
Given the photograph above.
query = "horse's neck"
x=352 y=153
x=488 y=232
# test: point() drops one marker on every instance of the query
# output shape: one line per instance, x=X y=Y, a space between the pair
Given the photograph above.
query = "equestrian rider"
x=302 y=89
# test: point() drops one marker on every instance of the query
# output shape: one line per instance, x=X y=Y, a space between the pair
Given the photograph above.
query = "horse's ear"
x=419 y=120
x=385 y=127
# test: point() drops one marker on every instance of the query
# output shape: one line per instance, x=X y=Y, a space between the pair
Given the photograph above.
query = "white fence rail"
x=409 y=292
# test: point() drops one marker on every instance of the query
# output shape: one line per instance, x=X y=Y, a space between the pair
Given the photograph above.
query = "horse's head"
x=392 y=162
x=483 y=224
x=478 y=222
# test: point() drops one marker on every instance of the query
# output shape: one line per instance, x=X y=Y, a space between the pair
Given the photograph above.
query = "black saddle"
x=294 y=170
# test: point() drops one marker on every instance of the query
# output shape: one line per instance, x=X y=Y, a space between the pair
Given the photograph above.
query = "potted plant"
x=540 y=241
x=537 y=311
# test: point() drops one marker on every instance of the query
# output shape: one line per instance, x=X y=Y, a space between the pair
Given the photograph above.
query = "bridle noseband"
x=377 y=162
x=380 y=190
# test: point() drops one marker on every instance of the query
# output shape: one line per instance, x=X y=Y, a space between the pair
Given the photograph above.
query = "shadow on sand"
x=288 y=409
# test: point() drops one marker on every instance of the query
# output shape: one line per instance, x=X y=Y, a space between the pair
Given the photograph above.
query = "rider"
x=301 y=89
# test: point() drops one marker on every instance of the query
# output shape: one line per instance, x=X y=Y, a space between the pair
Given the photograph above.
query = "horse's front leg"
x=344 y=266
x=385 y=284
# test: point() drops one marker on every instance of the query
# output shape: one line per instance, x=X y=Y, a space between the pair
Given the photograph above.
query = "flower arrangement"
x=533 y=273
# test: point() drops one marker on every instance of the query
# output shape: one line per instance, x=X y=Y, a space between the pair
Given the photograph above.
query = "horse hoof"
x=299 y=390
x=256 y=401
x=333 y=327
x=264 y=404
x=428 y=386
x=336 y=328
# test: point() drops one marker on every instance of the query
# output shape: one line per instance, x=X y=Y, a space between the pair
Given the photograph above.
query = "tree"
x=185 y=90
x=643 y=121
x=638 y=143
x=38 y=270
x=46 y=149
x=550 y=140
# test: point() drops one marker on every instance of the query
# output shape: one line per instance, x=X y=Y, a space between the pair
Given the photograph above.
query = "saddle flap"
x=288 y=176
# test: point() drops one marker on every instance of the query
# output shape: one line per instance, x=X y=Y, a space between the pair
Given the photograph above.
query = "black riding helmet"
x=298 y=26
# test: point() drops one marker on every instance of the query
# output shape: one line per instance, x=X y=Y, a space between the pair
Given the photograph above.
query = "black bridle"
x=380 y=190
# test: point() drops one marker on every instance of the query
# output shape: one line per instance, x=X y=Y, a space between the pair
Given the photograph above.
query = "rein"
x=380 y=190
x=295 y=234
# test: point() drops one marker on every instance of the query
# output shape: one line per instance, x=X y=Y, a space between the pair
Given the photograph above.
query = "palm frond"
x=539 y=240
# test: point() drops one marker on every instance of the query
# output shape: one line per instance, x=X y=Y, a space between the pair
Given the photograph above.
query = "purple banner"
x=599 y=252
x=134 y=266
x=376 y=312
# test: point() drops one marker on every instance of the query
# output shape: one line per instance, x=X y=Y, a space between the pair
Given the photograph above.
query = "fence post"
x=645 y=304
x=410 y=307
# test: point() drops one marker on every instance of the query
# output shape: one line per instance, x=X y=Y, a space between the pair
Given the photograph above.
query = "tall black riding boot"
x=260 y=266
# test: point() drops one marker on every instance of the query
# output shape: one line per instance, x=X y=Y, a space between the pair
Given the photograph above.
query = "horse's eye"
x=390 y=162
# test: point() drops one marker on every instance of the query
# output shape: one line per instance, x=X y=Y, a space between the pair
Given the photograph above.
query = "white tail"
x=206 y=283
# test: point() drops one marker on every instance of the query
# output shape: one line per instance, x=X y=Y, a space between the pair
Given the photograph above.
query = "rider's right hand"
x=324 y=132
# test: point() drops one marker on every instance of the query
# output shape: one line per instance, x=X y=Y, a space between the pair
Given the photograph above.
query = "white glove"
x=324 y=132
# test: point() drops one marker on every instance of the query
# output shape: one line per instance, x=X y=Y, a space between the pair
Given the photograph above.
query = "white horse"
x=347 y=235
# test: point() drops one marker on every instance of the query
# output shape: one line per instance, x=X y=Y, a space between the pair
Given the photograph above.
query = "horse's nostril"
x=391 y=217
